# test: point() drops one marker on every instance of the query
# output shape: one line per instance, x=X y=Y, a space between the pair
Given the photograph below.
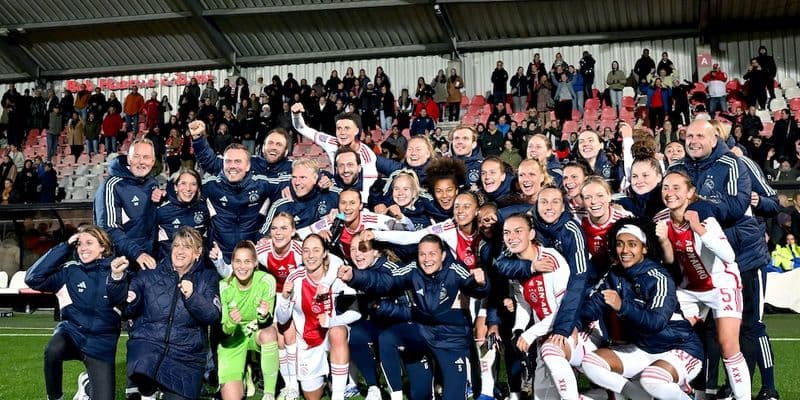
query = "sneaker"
x=250 y=387
x=595 y=394
x=768 y=394
x=723 y=393
x=268 y=396
x=351 y=391
x=374 y=393
x=288 y=394
x=83 y=383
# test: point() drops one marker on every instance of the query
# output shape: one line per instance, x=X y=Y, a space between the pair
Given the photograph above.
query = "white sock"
x=291 y=367
x=599 y=372
x=398 y=395
x=738 y=376
x=283 y=364
x=658 y=382
x=339 y=375
x=563 y=378
x=511 y=396
x=487 y=375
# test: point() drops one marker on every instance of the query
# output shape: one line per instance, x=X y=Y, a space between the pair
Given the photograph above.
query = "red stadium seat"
x=592 y=104
x=576 y=115
x=569 y=127
x=518 y=117
x=478 y=100
x=629 y=103
x=608 y=113
x=607 y=124
x=794 y=104
x=464 y=101
x=595 y=93
x=767 y=130
x=699 y=87
x=590 y=116
x=733 y=86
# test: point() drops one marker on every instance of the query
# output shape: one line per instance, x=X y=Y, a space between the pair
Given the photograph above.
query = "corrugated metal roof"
x=222 y=4
x=157 y=42
x=17 y=12
x=334 y=30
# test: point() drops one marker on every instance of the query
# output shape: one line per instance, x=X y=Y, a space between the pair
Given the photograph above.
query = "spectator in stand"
x=536 y=70
x=405 y=109
x=55 y=126
x=222 y=139
x=784 y=133
x=38 y=110
x=644 y=66
x=76 y=135
x=657 y=103
x=97 y=102
x=10 y=195
x=491 y=140
x=499 y=83
x=242 y=91
x=576 y=79
x=194 y=88
x=380 y=75
x=455 y=84
x=27 y=180
x=134 y=104
x=544 y=100
x=68 y=105
x=666 y=64
x=187 y=103
x=333 y=82
x=226 y=95
x=440 y=92
x=498 y=110
x=52 y=100
x=427 y=104
x=386 y=107
x=210 y=93
x=616 y=82
x=519 y=90
x=717 y=93
x=206 y=109
x=558 y=63
x=16 y=156
x=510 y=155
x=586 y=69
x=758 y=80
x=112 y=126
x=767 y=63
x=49 y=183
x=82 y=101
x=258 y=87
x=92 y=135
x=152 y=111
x=564 y=97
x=423 y=89
x=785 y=171
x=423 y=124
x=114 y=102
x=751 y=123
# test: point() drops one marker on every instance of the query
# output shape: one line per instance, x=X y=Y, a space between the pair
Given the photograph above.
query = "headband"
x=635 y=231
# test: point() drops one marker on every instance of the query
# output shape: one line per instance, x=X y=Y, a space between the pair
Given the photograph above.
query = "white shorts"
x=312 y=366
x=723 y=302
x=634 y=360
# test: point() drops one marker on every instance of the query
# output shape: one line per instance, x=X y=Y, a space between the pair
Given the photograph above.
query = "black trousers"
x=61 y=348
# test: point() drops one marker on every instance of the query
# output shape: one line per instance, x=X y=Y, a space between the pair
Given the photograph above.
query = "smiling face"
x=463 y=142
x=244 y=263
x=630 y=250
x=275 y=148
x=588 y=145
x=596 y=199
x=362 y=254
x=186 y=187
x=644 y=178
x=417 y=152
x=303 y=180
x=314 y=253
x=350 y=206
x=184 y=254
x=550 y=205
x=236 y=164
x=347 y=167
x=676 y=192
x=430 y=257
x=537 y=148
x=141 y=159
x=404 y=192
x=465 y=209
x=281 y=231
x=492 y=176
x=517 y=235
x=573 y=179
x=700 y=140
x=674 y=152
x=346 y=131
x=444 y=191
x=530 y=177
x=89 y=248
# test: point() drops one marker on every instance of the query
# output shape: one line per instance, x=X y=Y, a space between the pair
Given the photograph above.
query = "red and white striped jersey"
x=597 y=237
x=280 y=265
x=707 y=261
x=463 y=246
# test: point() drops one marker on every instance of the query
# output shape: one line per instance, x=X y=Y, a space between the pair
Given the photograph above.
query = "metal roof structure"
x=46 y=39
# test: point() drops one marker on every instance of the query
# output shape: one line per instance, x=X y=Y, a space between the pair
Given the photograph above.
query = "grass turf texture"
x=23 y=337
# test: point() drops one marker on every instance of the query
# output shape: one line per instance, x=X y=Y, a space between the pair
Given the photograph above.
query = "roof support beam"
x=394 y=51
x=130 y=69
x=299 y=8
x=443 y=17
x=600 y=37
x=18 y=55
x=221 y=44
x=100 y=21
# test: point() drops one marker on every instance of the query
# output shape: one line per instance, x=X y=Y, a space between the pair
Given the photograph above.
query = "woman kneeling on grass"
x=90 y=327
x=248 y=300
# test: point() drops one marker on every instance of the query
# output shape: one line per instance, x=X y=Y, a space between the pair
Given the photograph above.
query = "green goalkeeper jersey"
x=247 y=301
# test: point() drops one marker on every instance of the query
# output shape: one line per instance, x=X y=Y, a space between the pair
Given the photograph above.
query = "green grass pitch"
x=23 y=337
